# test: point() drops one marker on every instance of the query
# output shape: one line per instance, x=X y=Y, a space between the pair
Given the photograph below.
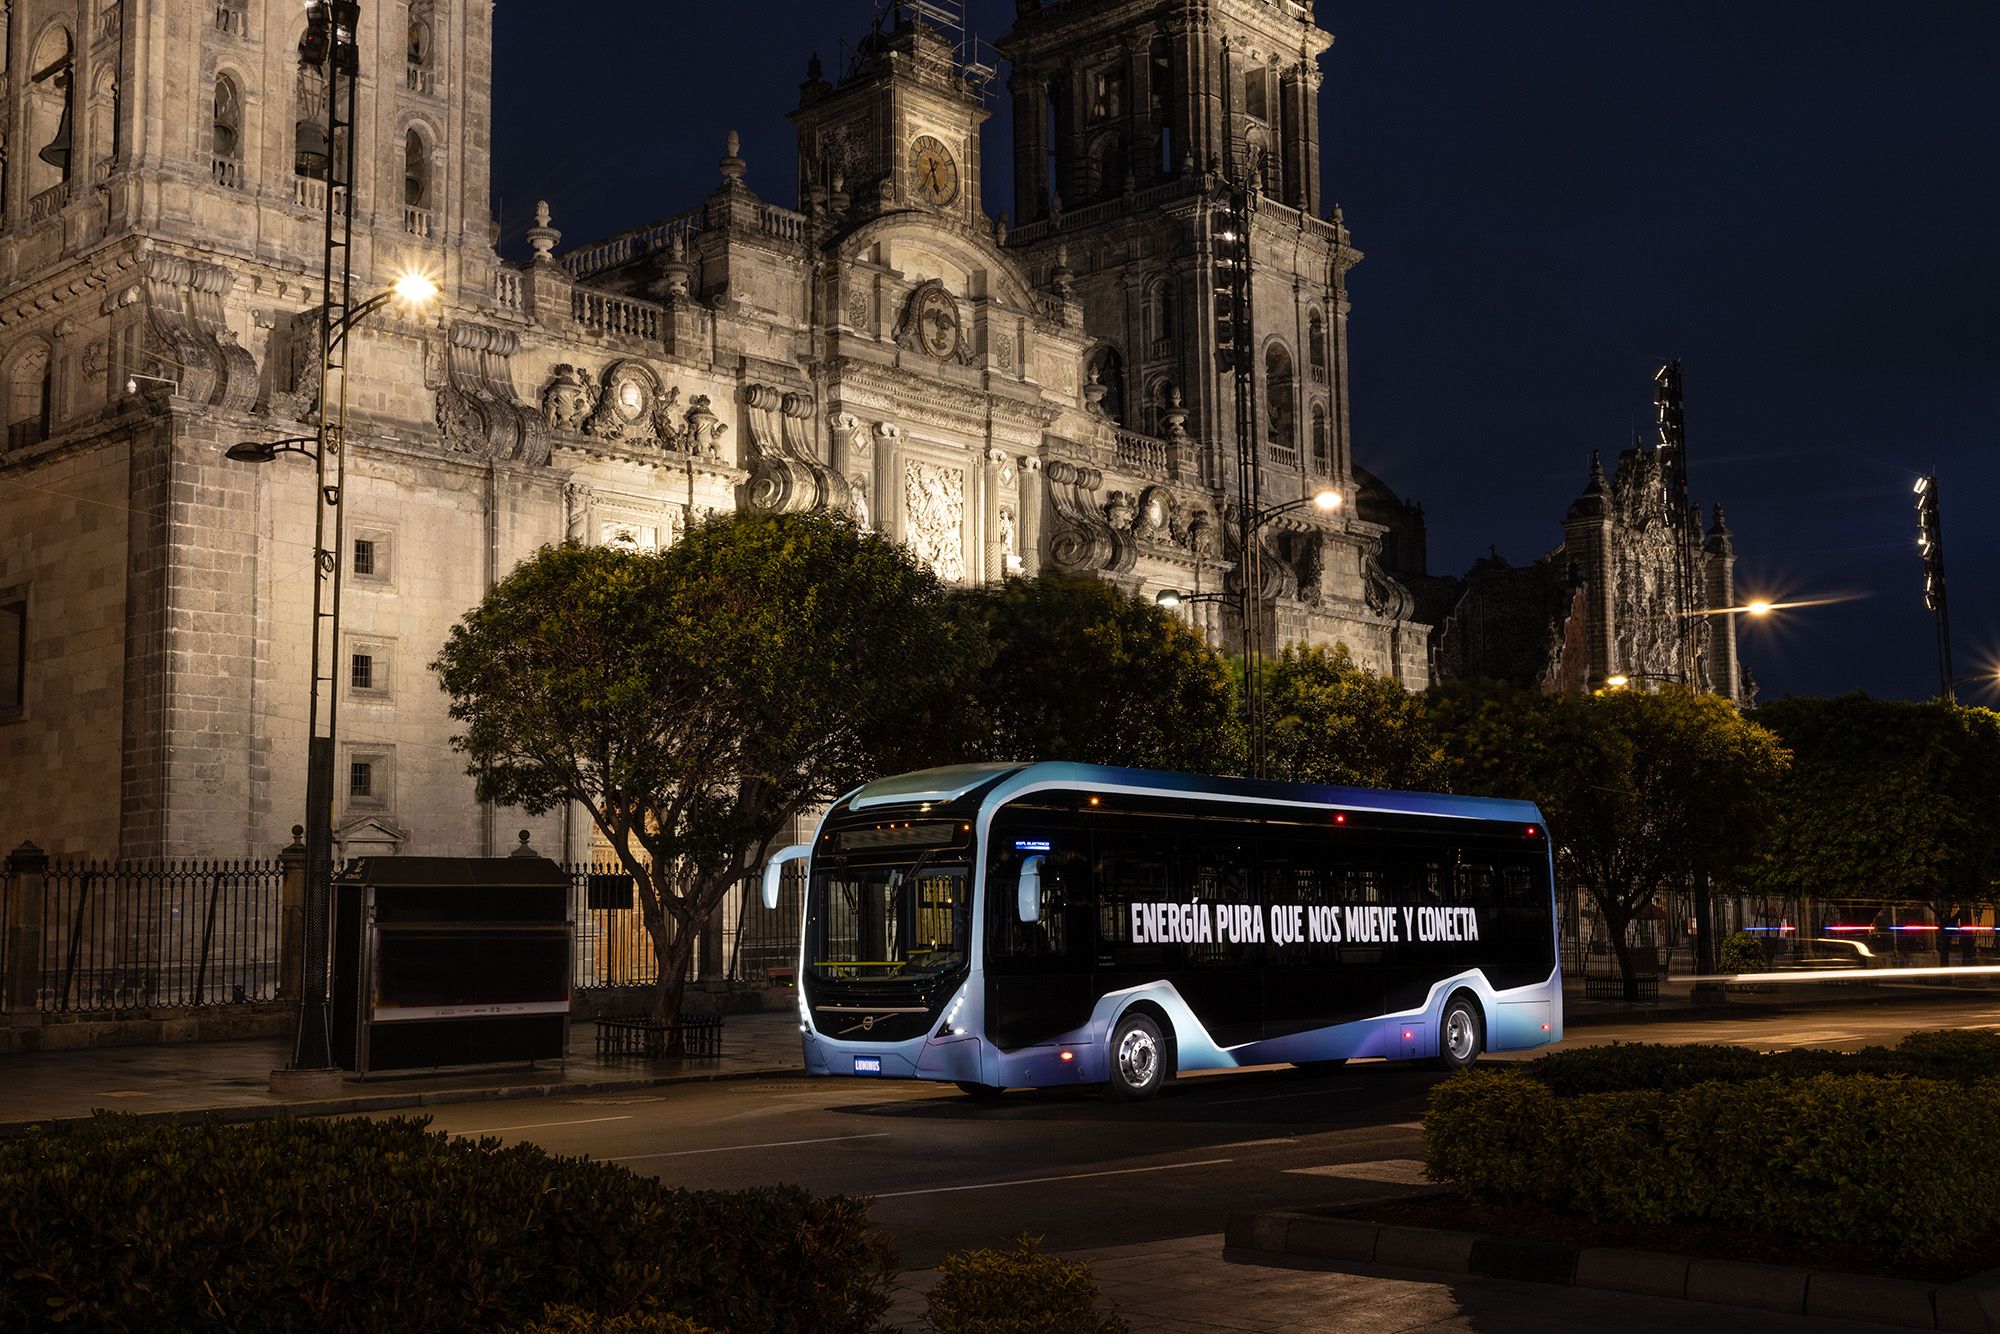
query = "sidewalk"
x=1190 y=1284
x=232 y=1078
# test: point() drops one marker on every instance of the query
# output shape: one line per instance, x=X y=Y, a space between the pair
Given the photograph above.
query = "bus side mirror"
x=1028 y=898
x=774 y=870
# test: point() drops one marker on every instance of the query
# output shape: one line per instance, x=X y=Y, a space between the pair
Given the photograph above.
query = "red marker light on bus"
x=1407 y=1035
x=1069 y=1056
x=1531 y=831
x=1340 y=818
x=1545 y=1028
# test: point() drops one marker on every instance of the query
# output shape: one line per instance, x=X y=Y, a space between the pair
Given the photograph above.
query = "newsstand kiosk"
x=451 y=961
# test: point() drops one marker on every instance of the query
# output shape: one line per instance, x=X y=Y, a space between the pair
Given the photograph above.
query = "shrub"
x=1949 y=1054
x=580 y=1320
x=353 y=1224
x=1843 y=1157
x=1742 y=953
x=1023 y=1290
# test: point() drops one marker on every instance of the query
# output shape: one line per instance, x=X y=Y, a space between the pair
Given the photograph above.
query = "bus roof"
x=954 y=781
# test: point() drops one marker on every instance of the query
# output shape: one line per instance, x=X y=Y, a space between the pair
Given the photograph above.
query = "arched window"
x=51 y=93
x=1160 y=311
x=1316 y=345
x=1321 y=446
x=104 y=117
x=423 y=50
x=1280 y=415
x=416 y=171
x=311 y=154
x=1107 y=368
x=30 y=387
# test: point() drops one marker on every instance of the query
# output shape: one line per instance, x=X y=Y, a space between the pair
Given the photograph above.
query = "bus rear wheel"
x=981 y=1092
x=1461 y=1035
x=1138 y=1058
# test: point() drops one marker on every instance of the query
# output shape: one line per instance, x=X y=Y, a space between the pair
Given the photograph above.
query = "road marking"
x=1259 y=1143
x=1037 y=1181
x=1407 y=1125
x=1401 y=1171
x=541 y=1125
x=736 y=1148
x=1273 y=1097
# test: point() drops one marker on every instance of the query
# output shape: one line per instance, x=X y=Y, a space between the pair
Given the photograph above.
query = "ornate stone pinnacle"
x=732 y=162
x=542 y=236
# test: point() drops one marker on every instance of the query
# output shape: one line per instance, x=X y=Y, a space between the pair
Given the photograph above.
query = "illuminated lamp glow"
x=1759 y=608
x=1097 y=801
x=1340 y=817
x=1913 y=928
x=1408 y=1035
x=1531 y=831
x=1545 y=1028
x=1850 y=928
x=1069 y=1056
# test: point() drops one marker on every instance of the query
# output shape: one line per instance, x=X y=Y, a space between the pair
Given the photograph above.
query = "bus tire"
x=1461 y=1034
x=981 y=1092
x=1138 y=1057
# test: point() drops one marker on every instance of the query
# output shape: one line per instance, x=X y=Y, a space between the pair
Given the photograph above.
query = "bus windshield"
x=890 y=921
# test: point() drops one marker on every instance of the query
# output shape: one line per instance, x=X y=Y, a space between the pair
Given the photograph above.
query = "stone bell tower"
x=899 y=127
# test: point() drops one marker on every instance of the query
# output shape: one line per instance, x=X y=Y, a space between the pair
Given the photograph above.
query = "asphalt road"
x=1078 y=1167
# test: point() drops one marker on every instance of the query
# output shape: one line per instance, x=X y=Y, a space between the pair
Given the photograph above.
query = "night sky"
x=1798 y=199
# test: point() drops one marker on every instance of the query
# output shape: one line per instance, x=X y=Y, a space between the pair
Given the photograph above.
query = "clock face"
x=937 y=324
x=935 y=172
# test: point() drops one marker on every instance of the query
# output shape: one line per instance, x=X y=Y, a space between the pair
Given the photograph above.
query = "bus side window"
x=1063 y=879
x=1219 y=875
x=1131 y=868
x=1291 y=874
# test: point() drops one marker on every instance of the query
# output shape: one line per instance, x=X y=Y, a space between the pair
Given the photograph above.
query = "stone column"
x=27 y=872
x=1031 y=515
x=291 y=915
x=995 y=559
x=889 y=479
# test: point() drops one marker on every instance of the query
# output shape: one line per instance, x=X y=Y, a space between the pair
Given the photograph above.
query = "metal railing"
x=140 y=935
x=183 y=934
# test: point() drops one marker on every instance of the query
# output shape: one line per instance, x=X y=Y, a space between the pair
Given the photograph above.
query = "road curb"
x=399 y=1101
x=1971 y=1306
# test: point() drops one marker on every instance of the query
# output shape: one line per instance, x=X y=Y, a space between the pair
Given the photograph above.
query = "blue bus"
x=1037 y=925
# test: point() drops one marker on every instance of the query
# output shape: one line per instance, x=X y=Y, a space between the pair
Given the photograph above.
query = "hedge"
x=382 y=1225
x=1953 y=1055
x=1892 y=1162
x=1021 y=1290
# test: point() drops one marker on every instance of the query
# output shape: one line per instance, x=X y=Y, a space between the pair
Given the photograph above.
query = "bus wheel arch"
x=1462 y=1029
x=1165 y=1051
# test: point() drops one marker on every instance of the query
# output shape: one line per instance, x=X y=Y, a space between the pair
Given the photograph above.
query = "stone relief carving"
x=1082 y=538
x=96 y=359
x=477 y=408
x=576 y=511
x=569 y=398
x=857 y=490
x=934 y=516
x=630 y=405
x=931 y=324
x=787 y=474
x=861 y=310
x=1009 y=537
x=187 y=329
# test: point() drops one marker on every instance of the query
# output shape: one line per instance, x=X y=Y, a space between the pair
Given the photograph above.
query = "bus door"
x=1424 y=875
x=1223 y=980
x=1038 y=974
x=1322 y=979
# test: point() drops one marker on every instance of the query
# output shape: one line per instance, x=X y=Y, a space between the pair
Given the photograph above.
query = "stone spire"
x=542 y=236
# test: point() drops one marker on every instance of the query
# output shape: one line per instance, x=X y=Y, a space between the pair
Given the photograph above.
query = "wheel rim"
x=1138 y=1057
x=1459 y=1036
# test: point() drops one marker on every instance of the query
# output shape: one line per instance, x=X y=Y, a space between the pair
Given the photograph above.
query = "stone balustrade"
x=228 y=172
x=309 y=193
x=1142 y=454
x=420 y=79
x=507 y=293
x=781 y=223
x=601 y=313
x=627 y=246
x=419 y=221
x=48 y=203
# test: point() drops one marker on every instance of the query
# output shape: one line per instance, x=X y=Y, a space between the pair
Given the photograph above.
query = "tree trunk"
x=1618 y=923
x=670 y=988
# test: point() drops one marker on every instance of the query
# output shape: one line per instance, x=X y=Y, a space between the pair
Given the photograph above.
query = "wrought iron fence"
x=123 y=935
x=134 y=935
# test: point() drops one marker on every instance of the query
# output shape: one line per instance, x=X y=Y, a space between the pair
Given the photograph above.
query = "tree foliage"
x=693 y=700
x=1641 y=791
x=1079 y=670
x=1331 y=721
x=1887 y=801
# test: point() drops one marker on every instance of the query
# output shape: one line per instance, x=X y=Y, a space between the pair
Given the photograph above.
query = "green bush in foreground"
x=1954 y=1055
x=578 y=1320
x=1888 y=1162
x=1023 y=1290
x=367 y=1225
x=1741 y=953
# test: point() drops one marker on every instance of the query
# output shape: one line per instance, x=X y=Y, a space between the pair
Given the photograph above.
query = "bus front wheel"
x=1138 y=1058
x=1461 y=1035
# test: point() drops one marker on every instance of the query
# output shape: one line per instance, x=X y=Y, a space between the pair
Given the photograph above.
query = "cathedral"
x=1007 y=394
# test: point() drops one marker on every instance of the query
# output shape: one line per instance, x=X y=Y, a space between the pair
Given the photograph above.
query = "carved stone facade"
x=1002 y=400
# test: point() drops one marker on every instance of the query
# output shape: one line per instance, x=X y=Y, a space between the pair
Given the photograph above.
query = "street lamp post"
x=1249 y=600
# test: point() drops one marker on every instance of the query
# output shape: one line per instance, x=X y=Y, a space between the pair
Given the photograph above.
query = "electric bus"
x=1035 y=925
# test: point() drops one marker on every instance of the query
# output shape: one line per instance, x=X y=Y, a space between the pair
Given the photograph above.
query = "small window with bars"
x=362 y=672
x=361 y=779
x=364 y=556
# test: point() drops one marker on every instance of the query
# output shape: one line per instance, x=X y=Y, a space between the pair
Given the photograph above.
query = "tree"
x=1888 y=801
x=1641 y=791
x=1334 y=722
x=692 y=701
x=1080 y=670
